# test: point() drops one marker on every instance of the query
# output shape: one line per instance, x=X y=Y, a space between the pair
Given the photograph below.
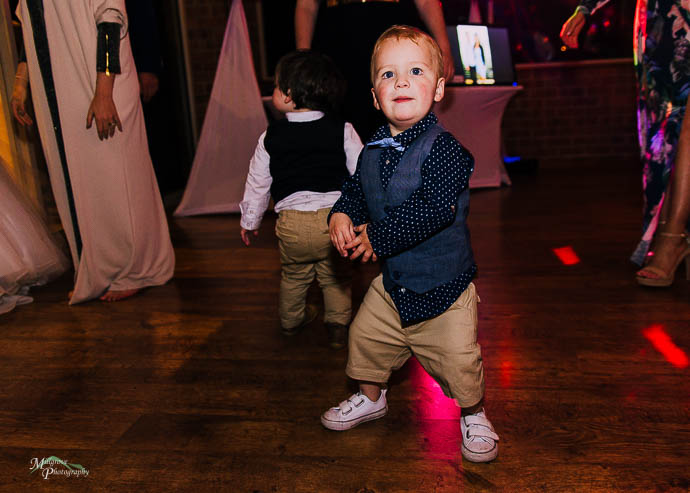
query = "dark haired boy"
x=301 y=162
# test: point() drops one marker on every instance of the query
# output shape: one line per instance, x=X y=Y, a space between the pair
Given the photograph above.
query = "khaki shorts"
x=446 y=345
x=306 y=254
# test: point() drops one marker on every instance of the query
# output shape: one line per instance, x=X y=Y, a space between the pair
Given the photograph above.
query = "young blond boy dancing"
x=407 y=205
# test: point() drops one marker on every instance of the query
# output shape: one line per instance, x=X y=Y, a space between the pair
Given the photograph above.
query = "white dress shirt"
x=257 y=190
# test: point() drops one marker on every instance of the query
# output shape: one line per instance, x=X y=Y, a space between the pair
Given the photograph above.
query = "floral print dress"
x=662 y=58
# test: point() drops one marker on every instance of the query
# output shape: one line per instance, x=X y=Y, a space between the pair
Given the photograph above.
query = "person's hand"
x=18 y=103
x=103 y=110
x=361 y=245
x=20 y=94
x=244 y=233
x=341 y=231
x=148 y=85
x=102 y=107
x=571 y=29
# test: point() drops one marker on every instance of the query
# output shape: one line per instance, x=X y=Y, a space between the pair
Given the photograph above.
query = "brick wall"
x=569 y=111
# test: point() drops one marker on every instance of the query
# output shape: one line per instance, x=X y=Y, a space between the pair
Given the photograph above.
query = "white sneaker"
x=479 y=440
x=353 y=411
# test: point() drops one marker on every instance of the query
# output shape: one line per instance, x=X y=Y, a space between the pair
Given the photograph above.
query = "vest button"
x=396 y=275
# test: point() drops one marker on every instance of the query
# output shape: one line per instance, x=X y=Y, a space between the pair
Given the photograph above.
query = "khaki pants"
x=305 y=253
x=446 y=345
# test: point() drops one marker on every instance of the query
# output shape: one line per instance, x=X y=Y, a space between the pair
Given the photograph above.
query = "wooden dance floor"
x=191 y=387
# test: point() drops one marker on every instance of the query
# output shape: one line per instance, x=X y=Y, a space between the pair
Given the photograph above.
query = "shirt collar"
x=409 y=135
x=303 y=116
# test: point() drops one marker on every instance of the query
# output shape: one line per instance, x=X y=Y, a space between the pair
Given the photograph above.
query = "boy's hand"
x=244 y=233
x=342 y=231
x=361 y=245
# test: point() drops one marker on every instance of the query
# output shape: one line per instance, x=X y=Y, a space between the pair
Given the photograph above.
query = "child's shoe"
x=479 y=440
x=337 y=335
x=353 y=411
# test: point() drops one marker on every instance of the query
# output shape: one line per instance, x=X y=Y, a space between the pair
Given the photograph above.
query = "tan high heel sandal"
x=665 y=279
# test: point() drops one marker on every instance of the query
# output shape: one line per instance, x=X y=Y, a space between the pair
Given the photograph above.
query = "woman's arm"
x=590 y=6
x=432 y=15
x=305 y=19
x=573 y=26
x=19 y=95
x=102 y=108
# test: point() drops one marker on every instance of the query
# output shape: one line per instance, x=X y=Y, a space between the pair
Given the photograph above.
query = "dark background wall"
x=574 y=110
x=566 y=111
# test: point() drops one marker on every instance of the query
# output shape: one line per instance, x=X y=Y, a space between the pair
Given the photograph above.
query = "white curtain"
x=234 y=120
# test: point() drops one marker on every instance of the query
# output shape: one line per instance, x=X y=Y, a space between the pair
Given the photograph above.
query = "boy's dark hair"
x=311 y=79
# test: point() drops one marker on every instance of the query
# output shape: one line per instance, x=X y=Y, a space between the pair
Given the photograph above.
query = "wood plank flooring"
x=190 y=386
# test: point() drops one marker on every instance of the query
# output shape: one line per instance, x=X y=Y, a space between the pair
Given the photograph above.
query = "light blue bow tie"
x=388 y=142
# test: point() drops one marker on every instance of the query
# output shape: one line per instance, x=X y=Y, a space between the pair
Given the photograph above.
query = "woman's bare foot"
x=667 y=249
x=117 y=295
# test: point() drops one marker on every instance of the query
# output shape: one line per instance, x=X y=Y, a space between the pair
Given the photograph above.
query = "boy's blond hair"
x=413 y=34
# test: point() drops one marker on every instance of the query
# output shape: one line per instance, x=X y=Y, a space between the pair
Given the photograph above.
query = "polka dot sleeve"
x=351 y=201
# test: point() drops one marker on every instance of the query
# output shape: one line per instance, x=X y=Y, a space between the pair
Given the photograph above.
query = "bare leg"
x=679 y=186
x=115 y=295
x=371 y=390
x=675 y=212
x=466 y=411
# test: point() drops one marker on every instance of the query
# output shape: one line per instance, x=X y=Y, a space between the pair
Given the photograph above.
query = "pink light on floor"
x=663 y=343
x=432 y=403
x=566 y=255
x=438 y=418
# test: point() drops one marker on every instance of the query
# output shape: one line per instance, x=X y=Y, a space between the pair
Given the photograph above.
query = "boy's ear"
x=288 y=97
x=376 y=101
x=440 y=89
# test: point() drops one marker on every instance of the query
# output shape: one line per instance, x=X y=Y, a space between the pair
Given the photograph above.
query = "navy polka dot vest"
x=437 y=260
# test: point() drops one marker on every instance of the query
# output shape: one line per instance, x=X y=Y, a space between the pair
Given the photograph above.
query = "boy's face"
x=405 y=83
x=282 y=102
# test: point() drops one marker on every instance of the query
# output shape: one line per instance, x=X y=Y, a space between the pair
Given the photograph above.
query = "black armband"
x=108 y=49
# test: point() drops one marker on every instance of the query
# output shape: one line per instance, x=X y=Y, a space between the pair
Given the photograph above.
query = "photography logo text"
x=54 y=466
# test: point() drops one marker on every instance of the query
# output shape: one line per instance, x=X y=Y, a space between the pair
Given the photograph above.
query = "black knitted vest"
x=306 y=156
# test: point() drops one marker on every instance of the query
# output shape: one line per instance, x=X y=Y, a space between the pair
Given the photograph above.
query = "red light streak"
x=566 y=255
x=439 y=417
x=663 y=343
x=506 y=374
x=432 y=404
